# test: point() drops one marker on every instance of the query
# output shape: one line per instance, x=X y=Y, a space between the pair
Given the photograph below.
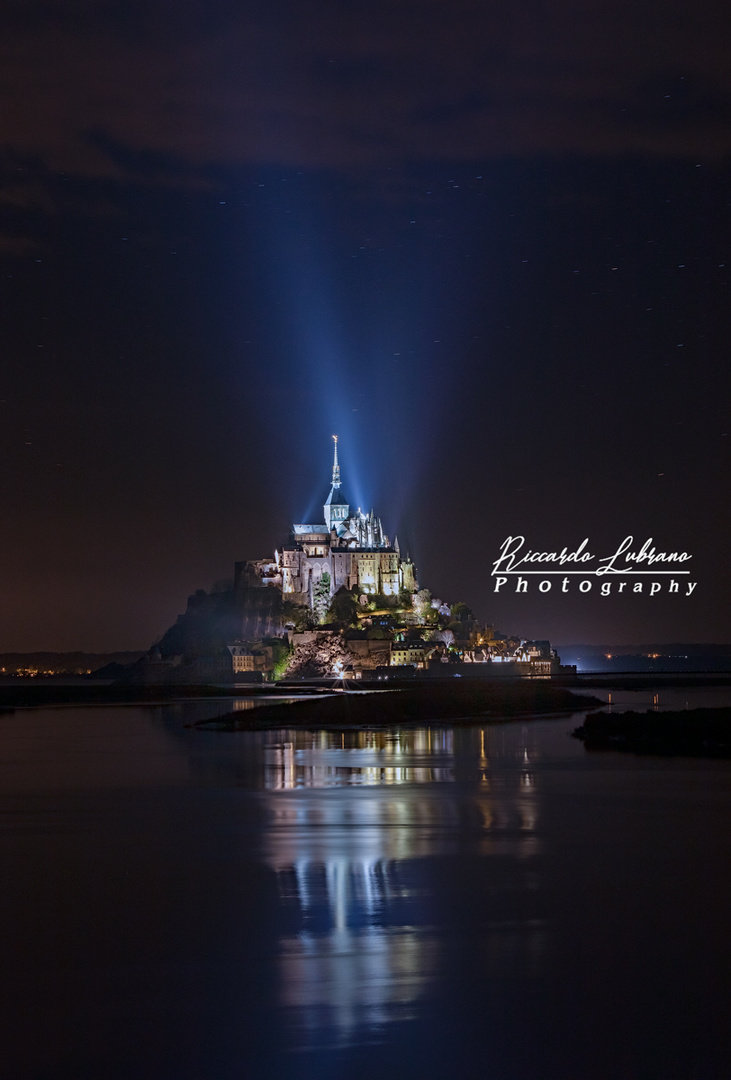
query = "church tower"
x=336 y=505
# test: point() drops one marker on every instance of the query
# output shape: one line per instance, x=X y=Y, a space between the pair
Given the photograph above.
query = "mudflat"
x=447 y=700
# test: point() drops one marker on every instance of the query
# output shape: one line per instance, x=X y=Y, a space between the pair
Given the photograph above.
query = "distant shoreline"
x=39 y=693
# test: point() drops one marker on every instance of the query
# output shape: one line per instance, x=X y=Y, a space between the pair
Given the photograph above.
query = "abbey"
x=348 y=546
x=278 y=615
x=351 y=547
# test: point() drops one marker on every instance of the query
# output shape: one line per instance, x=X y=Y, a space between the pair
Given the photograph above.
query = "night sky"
x=487 y=244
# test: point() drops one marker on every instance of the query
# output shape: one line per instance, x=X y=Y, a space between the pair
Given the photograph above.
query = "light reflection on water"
x=365 y=758
x=293 y=758
x=348 y=854
x=660 y=699
x=468 y=901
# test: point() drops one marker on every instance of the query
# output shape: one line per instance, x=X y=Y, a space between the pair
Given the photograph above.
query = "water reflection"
x=351 y=961
x=354 y=863
x=185 y=903
x=243 y=704
x=362 y=758
x=667 y=697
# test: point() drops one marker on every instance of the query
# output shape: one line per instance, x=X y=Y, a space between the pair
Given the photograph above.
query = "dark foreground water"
x=491 y=903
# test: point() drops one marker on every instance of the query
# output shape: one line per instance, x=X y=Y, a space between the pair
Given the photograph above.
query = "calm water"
x=492 y=903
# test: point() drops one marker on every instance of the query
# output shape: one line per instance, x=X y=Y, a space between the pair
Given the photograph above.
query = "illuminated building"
x=410 y=653
x=242 y=658
x=349 y=546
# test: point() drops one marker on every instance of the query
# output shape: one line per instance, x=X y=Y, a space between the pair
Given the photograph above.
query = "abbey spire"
x=336 y=467
x=336 y=505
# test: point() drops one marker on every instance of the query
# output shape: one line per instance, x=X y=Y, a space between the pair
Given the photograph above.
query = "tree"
x=343 y=608
x=281 y=663
x=298 y=615
x=321 y=597
x=462 y=612
x=422 y=605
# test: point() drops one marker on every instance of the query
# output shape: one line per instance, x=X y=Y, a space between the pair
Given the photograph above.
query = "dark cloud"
x=349 y=85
